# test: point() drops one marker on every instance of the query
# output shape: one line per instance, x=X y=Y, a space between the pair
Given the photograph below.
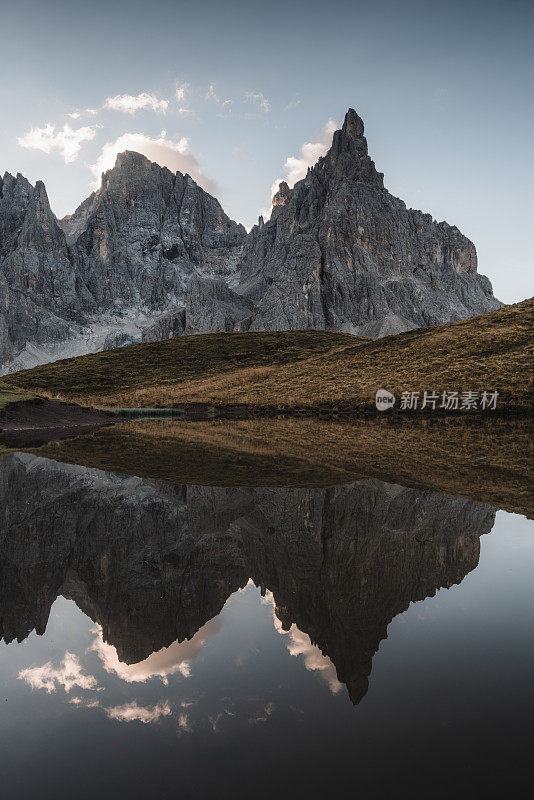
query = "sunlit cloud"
x=133 y=712
x=172 y=660
x=68 y=675
x=258 y=99
x=183 y=722
x=85 y=702
x=296 y=167
x=67 y=141
x=131 y=104
x=299 y=644
x=174 y=155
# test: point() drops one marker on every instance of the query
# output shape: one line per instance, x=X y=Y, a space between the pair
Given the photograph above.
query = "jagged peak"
x=282 y=195
x=353 y=125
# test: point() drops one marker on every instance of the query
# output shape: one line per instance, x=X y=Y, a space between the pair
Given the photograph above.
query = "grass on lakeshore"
x=9 y=396
x=304 y=369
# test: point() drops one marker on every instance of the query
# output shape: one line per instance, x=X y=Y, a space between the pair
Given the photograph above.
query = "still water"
x=169 y=640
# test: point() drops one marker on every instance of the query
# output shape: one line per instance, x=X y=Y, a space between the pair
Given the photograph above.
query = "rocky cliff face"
x=341 y=252
x=153 y=562
x=42 y=297
x=151 y=255
x=100 y=276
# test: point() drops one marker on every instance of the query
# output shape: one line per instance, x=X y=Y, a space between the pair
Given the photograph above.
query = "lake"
x=267 y=608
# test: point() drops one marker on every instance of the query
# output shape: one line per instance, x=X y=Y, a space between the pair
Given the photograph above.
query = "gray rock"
x=340 y=252
x=127 y=253
x=118 y=339
x=152 y=254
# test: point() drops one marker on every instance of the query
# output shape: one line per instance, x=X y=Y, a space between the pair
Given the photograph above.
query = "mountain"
x=152 y=255
x=95 y=279
x=152 y=562
x=341 y=252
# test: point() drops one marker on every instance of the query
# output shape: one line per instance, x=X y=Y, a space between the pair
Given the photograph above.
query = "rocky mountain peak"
x=348 y=157
x=150 y=246
x=353 y=125
x=282 y=195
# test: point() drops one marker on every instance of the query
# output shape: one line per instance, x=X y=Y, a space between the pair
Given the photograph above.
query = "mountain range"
x=151 y=255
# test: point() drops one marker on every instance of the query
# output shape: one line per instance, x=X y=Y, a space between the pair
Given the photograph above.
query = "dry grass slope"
x=304 y=369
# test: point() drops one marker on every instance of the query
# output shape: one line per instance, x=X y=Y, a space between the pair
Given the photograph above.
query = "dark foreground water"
x=164 y=640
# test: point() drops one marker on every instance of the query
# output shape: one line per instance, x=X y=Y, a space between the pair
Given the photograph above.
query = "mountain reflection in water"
x=154 y=563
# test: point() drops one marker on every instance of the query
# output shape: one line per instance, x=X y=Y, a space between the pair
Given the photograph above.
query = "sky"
x=242 y=94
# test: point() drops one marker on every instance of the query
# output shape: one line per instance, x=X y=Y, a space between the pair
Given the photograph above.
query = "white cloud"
x=131 y=104
x=292 y=104
x=181 y=92
x=85 y=702
x=210 y=94
x=299 y=644
x=75 y=115
x=310 y=152
x=226 y=108
x=68 y=675
x=297 y=167
x=183 y=111
x=173 y=155
x=175 y=659
x=67 y=141
x=258 y=99
x=132 y=712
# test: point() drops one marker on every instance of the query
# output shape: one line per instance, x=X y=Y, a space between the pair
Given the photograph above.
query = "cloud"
x=310 y=152
x=292 y=104
x=258 y=99
x=181 y=91
x=131 y=104
x=85 y=702
x=210 y=94
x=173 y=155
x=297 y=167
x=264 y=715
x=225 y=105
x=68 y=675
x=299 y=644
x=132 y=712
x=175 y=659
x=67 y=141
x=183 y=722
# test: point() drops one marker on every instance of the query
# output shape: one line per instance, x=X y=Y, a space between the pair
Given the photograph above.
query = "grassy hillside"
x=102 y=378
x=304 y=369
x=10 y=396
